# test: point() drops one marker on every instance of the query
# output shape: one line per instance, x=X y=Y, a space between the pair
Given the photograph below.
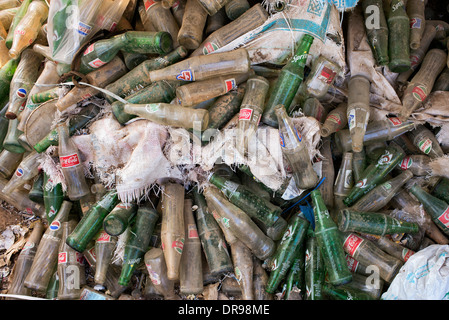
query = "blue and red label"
x=21 y=93
x=19 y=172
x=185 y=75
x=55 y=225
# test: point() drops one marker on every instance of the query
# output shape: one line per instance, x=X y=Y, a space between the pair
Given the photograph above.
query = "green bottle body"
x=119 y=218
x=314 y=271
x=398 y=37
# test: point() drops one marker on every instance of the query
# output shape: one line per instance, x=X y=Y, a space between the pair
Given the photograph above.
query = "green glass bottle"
x=11 y=141
x=6 y=75
x=53 y=286
x=398 y=37
x=345 y=293
x=287 y=250
x=75 y=123
x=327 y=236
x=4 y=123
x=295 y=276
x=314 y=271
x=92 y=222
x=36 y=193
x=373 y=223
x=438 y=209
x=140 y=232
x=119 y=218
x=53 y=198
x=441 y=189
x=375 y=173
x=377 y=34
x=44 y=96
x=288 y=82
x=15 y=21
x=359 y=163
x=212 y=238
x=255 y=206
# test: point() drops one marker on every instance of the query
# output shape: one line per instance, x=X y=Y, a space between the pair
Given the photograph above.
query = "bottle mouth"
x=13 y=54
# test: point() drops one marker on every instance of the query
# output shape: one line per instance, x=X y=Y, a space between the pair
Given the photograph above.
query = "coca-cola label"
x=209 y=47
x=352 y=243
x=406 y=163
x=21 y=93
x=385 y=158
x=104 y=237
x=444 y=218
x=334 y=118
x=406 y=254
x=97 y=63
x=245 y=114
x=148 y=4
x=178 y=245
x=395 y=121
x=192 y=231
x=230 y=84
x=62 y=257
x=419 y=92
x=185 y=75
x=71 y=160
x=352 y=263
x=425 y=145
x=89 y=49
x=415 y=23
x=327 y=75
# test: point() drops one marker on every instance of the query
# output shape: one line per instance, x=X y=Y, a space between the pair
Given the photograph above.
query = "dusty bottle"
x=49 y=94
x=375 y=173
x=260 y=281
x=27 y=170
x=74 y=123
x=20 y=200
x=4 y=124
x=326 y=233
x=170 y=114
x=24 y=261
x=216 y=21
x=295 y=277
x=11 y=141
x=251 y=110
x=212 y=6
x=295 y=151
x=70 y=267
x=335 y=120
x=392 y=248
x=103 y=51
x=398 y=36
x=160 y=91
x=287 y=250
x=91 y=222
x=104 y=249
x=440 y=190
x=367 y=253
x=53 y=286
x=138 y=78
x=255 y=207
x=225 y=108
x=312 y=107
x=438 y=209
x=288 y=82
x=161 y=18
x=99 y=78
x=53 y=197
x=191 y=94
x=373 y=287
x=235 y=8
x=7 y=16
x=21 y=83
x=138 y=240
x=314 y=270
x=178 y=8
x=193 y=22
x=251 y=19
x=442 y=82
x=415 y=12
x=422 y=82
x=377 y=33
x=327 y=171
x=426 y=142
x=173 y=229
x=358 y=111
x=322 y=75
x=119 y=218
x=190 y=269
x=418 y=164
x=344 y=181
x=373 y=223
x=6 y=75
x=36 y=193
x=157 y=271
x=243 y=268
x=27 y=29
x=344 y=293
x=9 y=161
x=240 y=224
x=211 y=237
x=46 y=257
x=72 y=167
x=381 y=195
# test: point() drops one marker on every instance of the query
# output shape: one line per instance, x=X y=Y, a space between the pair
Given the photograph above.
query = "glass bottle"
x=398 y=36
x=344 y=181
x=328 y=172
x=27 y=170
x=426 y=142
x=335 y=120
x=20 y=12
x=314 y=269
x=243 y=268
x=157 y=271
x=9 y=161
x=193 y=22
x=53 y=197
x=260 y=281
x=418 y=164
x=212 y=6
x=415 y=12
x=321 y=77
x=377 y=34
x=119 y=218
x=344 y=293
x=105 y=245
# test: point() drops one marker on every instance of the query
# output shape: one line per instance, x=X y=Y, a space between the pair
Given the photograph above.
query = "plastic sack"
x=425 y=276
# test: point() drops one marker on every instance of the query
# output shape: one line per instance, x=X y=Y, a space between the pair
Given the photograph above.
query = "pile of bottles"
x=374 y=203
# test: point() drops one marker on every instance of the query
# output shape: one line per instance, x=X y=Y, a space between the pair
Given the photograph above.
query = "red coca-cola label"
x=414 y=59
x=71 y=160
x=148 y=4
x=444 y=218
x=245 y=114
x=352 y=263
x=62 y=257
x=395 y=121
x=352 y=243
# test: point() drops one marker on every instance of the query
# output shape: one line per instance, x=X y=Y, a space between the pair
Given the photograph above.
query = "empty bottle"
x=92 y=221
x=322 y=75
x=295 y=150
x=426 y=142
x=381 y=195
x=422 y=82
x=212 y=6
x=24 y=261
x=20 y=200
x=440 y=190
x=344 y=293
x=260 y=281
x=27 y=29
x=71 y=271
x=104 y=249
x=375 y=173
x=46 y=257
x=191 y=271
x=6 y=75
x=243 y=268
x=287 y=250
x=288 y=82
x=173 y=229
x=211 y=237
x=138 y=240
x=358 y=111
x=392 y=248
x=240 y=224
x=314 y=270
x=367 y=253
x=119 y=218
x=251 y=19
x=20 y=13
x=53 y=197
x=216 y=21
x=193 y=22
x=36 y=193
x=377 y=33
x=398 y=36
x=178 y=8
x=335 y=120
x=415 y=12
x=327 y=171
x=344 y=181
x=9 y=161
x=27 y=170
x=418 y=164
x=157 y=271
x=170 y=114
x=72 y=167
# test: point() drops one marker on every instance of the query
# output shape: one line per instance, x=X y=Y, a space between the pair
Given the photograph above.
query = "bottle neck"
x=299 y=59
